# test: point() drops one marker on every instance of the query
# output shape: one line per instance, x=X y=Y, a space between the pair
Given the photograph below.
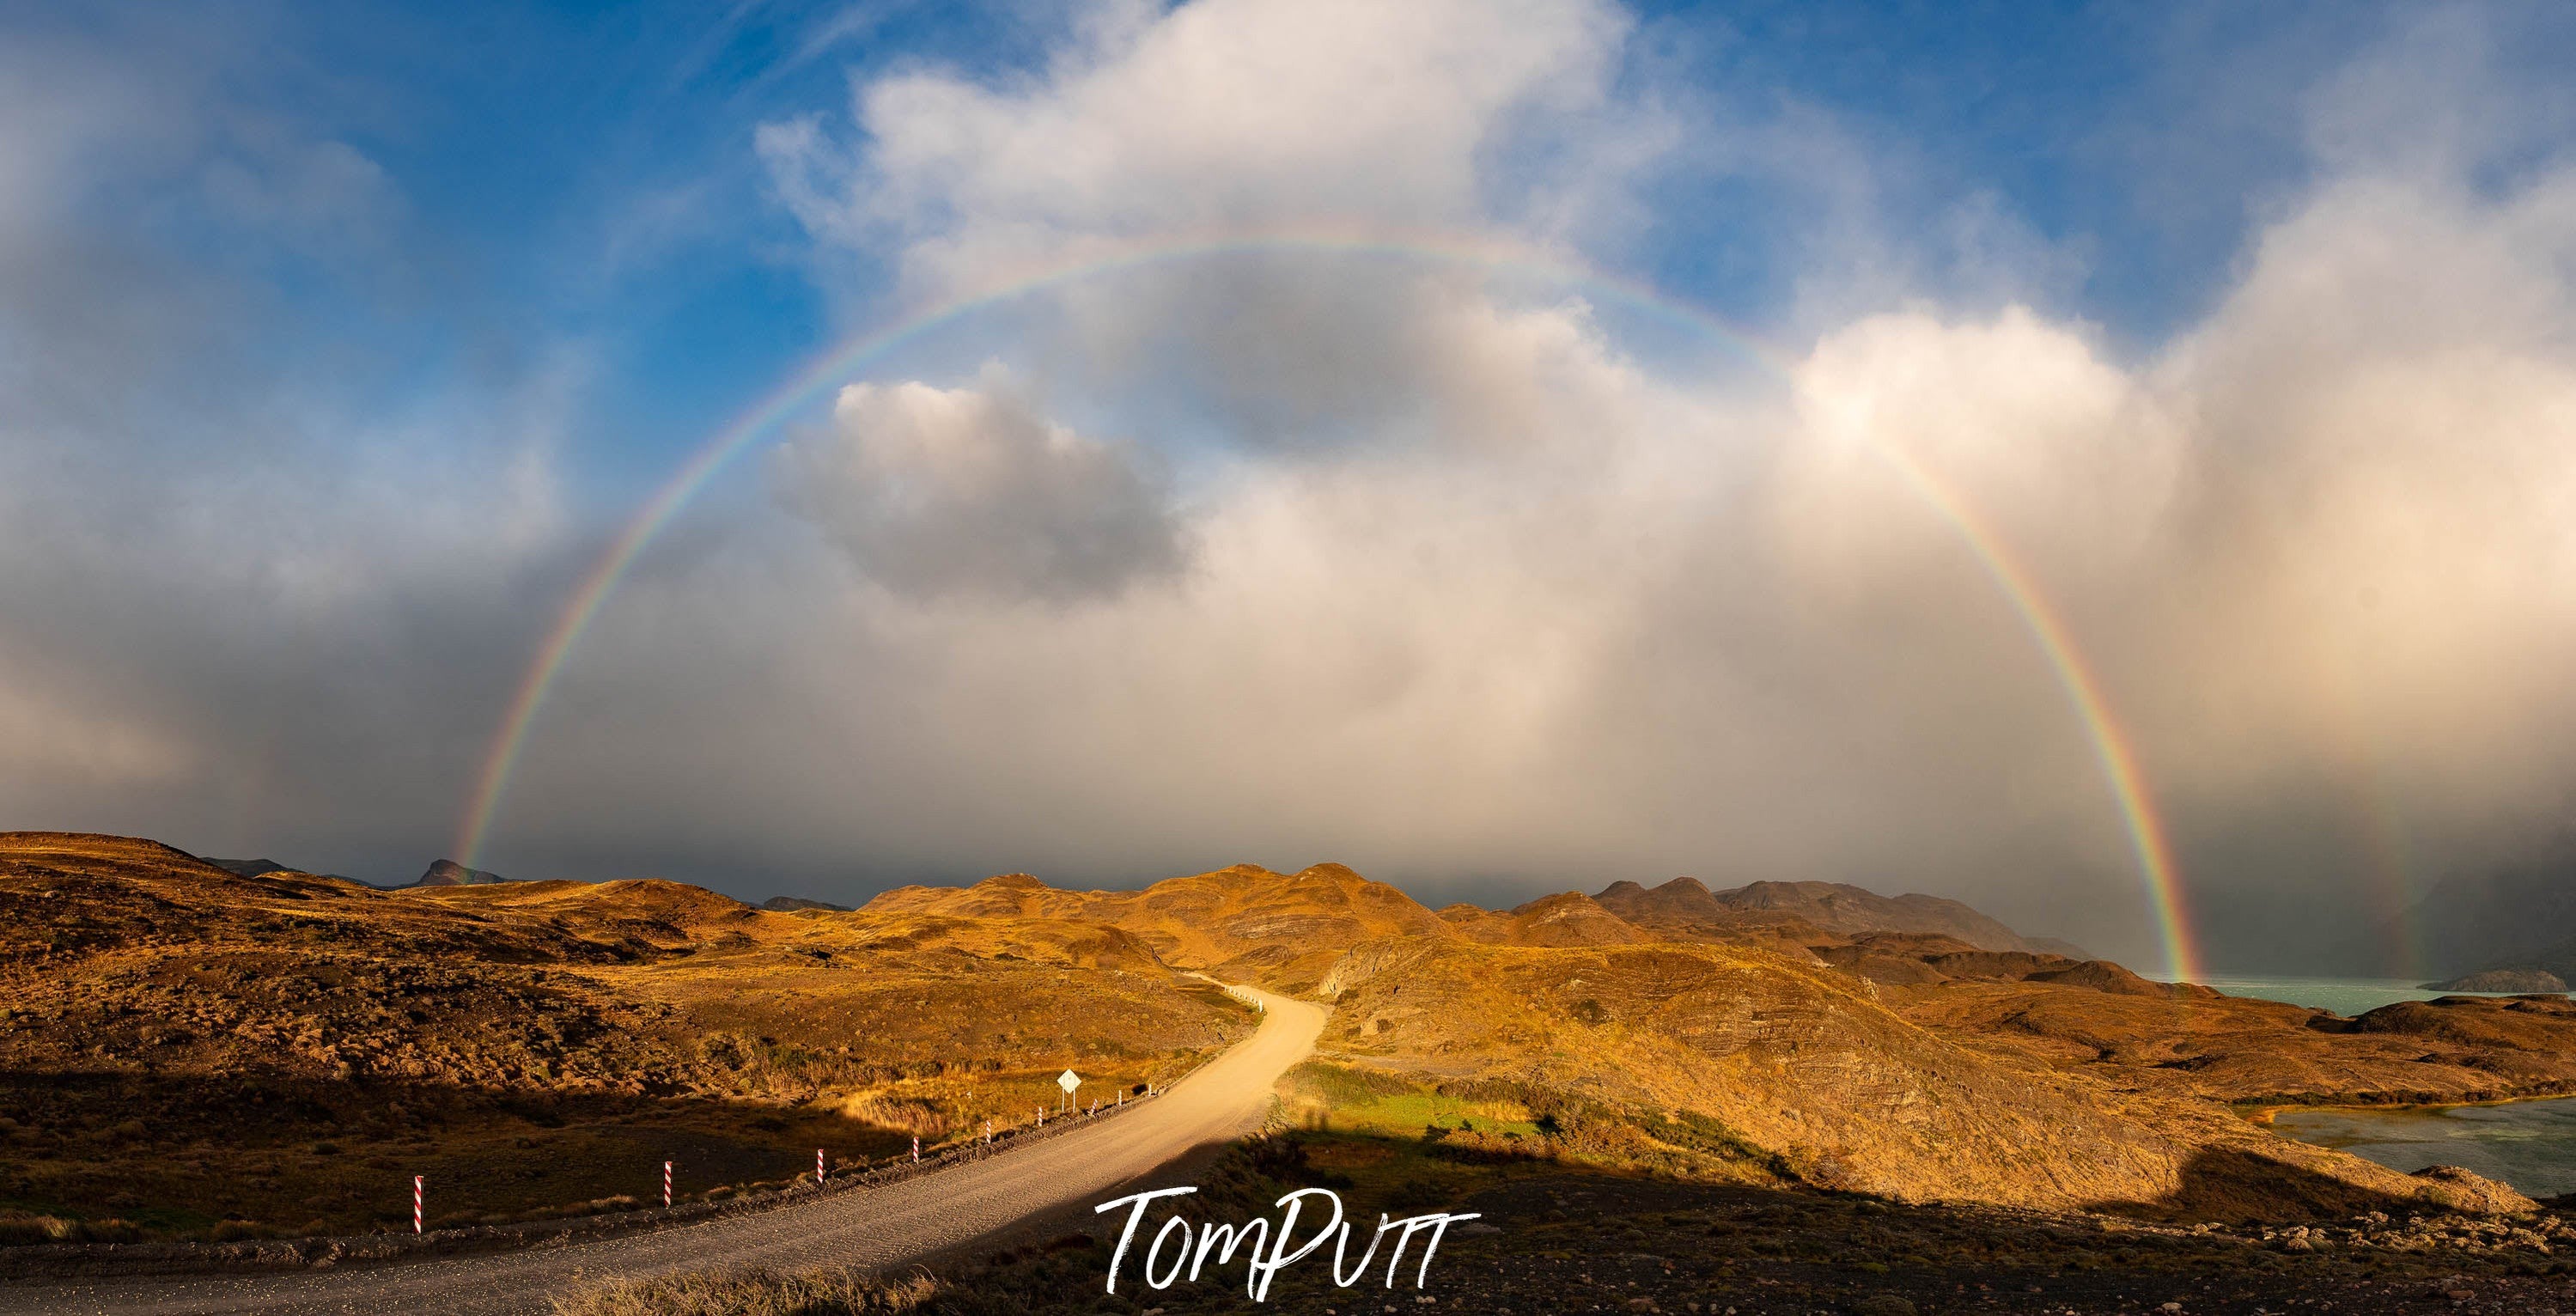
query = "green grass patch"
x=1366 y=1101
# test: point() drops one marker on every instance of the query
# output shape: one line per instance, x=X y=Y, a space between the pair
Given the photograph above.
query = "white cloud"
x=1313 y=555
x=1217 y=117
x=1471 y=591
x=939 y=492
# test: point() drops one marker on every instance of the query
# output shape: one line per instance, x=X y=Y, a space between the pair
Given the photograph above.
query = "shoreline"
x=2262 y=1112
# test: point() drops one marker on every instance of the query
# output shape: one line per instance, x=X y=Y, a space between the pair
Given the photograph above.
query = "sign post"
x=666 y=1183
x=415 y=1203
x=1068 y=1080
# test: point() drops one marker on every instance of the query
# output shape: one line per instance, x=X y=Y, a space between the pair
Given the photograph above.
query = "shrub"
x=16 y=1229
x=750 y=1293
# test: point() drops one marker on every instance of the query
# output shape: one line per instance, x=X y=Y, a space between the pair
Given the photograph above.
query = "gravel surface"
x=888 y=1226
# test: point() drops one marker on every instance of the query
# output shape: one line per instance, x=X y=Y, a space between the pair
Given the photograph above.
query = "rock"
x=2467 y=1190
x=448 y=872
x=2503 y=980
x=1880 y=1304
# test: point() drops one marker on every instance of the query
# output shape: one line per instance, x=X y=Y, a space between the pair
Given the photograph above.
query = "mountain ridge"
x=1838 y=908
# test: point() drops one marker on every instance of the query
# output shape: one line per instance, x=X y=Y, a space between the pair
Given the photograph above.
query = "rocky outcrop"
x=448 y=872
x=2466 y=1190
x=791 y=904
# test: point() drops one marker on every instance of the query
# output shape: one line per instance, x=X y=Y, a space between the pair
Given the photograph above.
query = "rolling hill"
x=585 y=1032
x=535 y=1045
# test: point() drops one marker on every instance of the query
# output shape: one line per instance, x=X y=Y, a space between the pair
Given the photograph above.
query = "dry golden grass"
x=1242 y=924
x=751 y=1293
x=1734 y=1063
x=189 y=1051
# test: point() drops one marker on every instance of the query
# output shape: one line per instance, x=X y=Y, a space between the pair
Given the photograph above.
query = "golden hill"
x=546 y=1043
x=1755 y=1042
x=1568 y=918
x=1737 y=1062
x=1241 y=924
x=529 y=1046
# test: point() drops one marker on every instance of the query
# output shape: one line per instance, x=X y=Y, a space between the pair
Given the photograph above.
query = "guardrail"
x=50 y=1260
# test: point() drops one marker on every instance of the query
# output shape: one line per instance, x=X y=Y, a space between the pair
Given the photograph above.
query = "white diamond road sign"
x=1068 y=1082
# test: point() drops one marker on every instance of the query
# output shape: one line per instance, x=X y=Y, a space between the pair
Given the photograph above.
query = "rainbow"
x=2111 y=747
x=2145 y=829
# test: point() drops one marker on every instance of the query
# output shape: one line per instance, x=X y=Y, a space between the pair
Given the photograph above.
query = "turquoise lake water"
x=2529 y=1144
x=2344 y=996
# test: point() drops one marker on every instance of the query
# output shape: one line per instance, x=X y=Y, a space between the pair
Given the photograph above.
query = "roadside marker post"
x=916 y=1149
x=818 y=1167
x=666 y=1183
x=415 y=1203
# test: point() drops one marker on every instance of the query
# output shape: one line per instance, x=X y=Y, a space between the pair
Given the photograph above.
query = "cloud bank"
x=1294 y=551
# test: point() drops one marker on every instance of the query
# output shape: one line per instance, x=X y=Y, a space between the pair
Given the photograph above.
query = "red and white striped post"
x=988 y=1128
x=818 y=1166
x=415 y=1203
x=666 y=1183
x=916 y=1149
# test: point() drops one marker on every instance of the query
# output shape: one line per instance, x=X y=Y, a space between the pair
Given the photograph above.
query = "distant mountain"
x=2502 y=980
x=1836 y=908
x=2519 y=919
x=790 y=904
x=448 y=872
x=252 y=867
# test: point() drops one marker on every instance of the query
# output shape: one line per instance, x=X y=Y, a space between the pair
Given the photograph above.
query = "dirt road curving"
x=878 y=1227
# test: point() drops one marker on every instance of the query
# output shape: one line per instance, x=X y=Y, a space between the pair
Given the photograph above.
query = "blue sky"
x=337 y=342
x=567 y=180
x=584 y=181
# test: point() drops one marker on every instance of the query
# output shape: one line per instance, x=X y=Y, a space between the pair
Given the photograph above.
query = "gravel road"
x=886 y=1226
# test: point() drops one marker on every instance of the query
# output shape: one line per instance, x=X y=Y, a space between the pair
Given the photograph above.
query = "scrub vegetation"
x=189 y=1052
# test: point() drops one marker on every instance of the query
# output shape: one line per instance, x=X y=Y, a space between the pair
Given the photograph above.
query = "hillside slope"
x=1243 y=924
x=532 y=1045
x=1736 y=1062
